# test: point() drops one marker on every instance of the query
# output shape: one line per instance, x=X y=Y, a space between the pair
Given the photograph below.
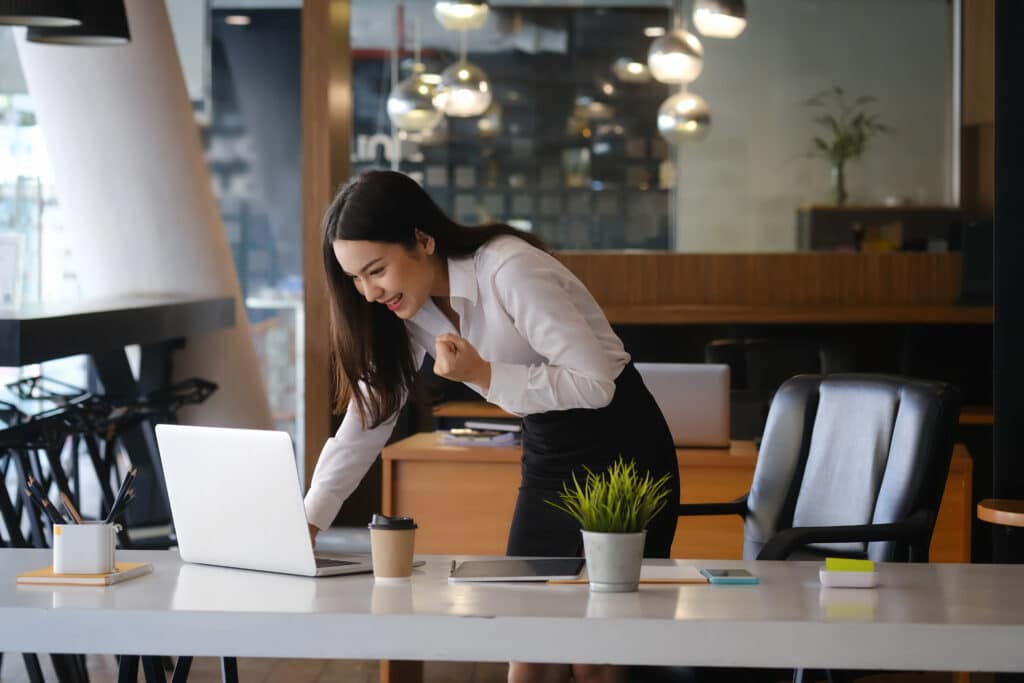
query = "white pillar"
x=135 y=192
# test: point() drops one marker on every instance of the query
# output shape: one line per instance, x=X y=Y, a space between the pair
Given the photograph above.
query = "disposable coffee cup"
x=86 y=548
x=391 y=547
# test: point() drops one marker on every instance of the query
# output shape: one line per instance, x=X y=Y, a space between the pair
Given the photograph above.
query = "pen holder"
x=83 y=548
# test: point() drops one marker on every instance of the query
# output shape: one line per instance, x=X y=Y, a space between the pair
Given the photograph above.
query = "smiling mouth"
x=394 y=302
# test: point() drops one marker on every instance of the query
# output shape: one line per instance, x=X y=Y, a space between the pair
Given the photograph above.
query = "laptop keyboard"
x=327 y=562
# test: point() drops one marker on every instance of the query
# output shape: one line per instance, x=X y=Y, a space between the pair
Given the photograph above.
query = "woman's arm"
x=580 y=372
x=344 y=461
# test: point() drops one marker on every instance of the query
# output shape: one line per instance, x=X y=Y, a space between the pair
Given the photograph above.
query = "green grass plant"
x=618 y=500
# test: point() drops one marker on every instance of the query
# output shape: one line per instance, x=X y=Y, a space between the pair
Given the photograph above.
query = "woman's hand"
x=457 y=360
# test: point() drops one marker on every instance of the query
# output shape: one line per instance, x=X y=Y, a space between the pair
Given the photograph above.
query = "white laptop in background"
x=236 y=501
x=694 y=397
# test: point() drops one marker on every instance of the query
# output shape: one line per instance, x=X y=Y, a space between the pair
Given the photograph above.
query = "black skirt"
x=558 y=444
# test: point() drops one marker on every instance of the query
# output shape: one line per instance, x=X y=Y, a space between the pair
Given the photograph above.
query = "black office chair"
x=851 y=465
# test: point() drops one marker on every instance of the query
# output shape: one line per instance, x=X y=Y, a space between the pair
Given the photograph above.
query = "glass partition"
x=570 y=147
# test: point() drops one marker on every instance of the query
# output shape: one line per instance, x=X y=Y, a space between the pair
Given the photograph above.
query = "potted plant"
x=848 y=125
x=614 y=509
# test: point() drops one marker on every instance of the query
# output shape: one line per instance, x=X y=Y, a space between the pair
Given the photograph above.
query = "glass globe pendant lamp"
x=631 y=71
x=464 y=89
x=461 y=15
x=411 y=103
x=676 y=57
x=720 y=18
x=684 y=117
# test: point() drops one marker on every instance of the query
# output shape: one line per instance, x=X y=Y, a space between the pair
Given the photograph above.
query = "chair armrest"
x=735 y=507
x=782 y=544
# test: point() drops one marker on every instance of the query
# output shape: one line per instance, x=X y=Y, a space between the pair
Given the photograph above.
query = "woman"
x=500 y=314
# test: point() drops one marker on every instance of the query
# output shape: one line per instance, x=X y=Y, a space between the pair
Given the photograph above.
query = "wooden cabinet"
x=463 y=498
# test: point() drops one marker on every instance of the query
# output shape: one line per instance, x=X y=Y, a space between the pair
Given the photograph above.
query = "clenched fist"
x=457 y=360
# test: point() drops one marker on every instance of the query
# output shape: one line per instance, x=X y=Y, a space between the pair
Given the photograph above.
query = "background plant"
x=619 y=500
x=849 y=125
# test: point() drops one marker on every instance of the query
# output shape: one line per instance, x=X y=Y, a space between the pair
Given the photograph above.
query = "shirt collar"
x=462 y=278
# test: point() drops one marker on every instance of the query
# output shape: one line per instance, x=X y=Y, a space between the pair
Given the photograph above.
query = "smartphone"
x=728 y=576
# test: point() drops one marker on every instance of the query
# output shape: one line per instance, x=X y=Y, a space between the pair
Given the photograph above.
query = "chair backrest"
x=852 y=449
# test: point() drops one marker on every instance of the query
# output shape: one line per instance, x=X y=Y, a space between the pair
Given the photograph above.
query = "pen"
x=119 y=506
x=70 y=507
x=44 y=505
x=44 y=502
x=121 y=492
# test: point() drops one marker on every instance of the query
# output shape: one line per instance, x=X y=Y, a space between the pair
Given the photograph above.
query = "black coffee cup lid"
x=392 y=523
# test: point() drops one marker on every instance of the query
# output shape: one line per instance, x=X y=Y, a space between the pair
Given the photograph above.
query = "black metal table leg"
x=229 y=670
x=140 y=442
x=181 y=669
x=128 y=669
x=35 y=672
x=153 y=670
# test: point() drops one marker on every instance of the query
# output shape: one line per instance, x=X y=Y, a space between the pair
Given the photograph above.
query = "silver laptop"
x=694 y=397
x=236 y=501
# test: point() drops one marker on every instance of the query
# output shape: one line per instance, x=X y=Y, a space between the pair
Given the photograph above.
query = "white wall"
x=739 y=189
x=135 y=191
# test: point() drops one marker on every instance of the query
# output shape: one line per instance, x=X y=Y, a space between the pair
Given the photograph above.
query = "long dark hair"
x=369 y=344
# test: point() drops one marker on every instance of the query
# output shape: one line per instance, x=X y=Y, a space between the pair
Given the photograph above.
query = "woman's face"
x=390 y=274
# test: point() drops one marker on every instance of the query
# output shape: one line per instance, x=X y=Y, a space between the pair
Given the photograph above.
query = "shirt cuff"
x=321 y=508
x=508 y=385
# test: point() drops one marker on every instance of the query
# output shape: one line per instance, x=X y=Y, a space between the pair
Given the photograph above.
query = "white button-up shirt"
x=548 y=342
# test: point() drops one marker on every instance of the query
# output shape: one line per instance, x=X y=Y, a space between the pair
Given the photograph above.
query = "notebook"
x=123 y=571
x=236 y=502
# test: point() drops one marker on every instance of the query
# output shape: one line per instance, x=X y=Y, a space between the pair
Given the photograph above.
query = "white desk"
x=926 y=617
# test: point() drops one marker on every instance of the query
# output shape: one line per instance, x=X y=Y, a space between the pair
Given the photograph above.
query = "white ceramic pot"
x=613 y=560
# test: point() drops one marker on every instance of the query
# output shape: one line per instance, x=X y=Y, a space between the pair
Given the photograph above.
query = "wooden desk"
x=463 y=497
x=857 y=314
x=473 y=410
x=969 y=415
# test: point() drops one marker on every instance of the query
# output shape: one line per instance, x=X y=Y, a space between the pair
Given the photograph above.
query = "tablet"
x=517 y=569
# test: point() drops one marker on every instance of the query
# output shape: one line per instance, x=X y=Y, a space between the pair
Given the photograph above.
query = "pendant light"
x=410 y=103
x=684 y=117
x=464 y=90
x=104 y=22
x=720 y=18
x=676 y=57
x=631 y=71
x=461 y=15
x=39 y=13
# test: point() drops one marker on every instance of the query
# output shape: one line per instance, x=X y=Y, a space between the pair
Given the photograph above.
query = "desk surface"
x=969 y=415
x=41 y=332
x=724 y=314
x=926 y=616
